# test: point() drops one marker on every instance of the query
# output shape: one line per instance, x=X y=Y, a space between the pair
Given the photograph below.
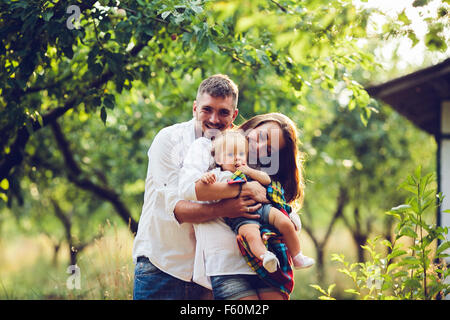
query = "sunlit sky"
x=410 y=56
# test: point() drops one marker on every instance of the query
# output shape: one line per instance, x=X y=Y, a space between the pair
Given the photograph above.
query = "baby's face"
x=232 y=154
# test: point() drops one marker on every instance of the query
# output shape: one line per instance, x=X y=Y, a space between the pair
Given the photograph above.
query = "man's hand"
x=255 y=191
x=238 y=207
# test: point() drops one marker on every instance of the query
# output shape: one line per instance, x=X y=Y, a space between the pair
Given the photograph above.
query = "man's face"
x=214 y=113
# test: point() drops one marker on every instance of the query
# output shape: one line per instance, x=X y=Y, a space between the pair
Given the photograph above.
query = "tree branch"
x=280 y=6
x=341 y=202
x=79 y=178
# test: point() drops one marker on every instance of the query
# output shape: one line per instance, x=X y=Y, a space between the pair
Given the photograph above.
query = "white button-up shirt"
x=217 y=252
x=170 y=246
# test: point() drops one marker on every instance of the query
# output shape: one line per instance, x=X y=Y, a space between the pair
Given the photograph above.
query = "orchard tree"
x=57 y=64
x=135 y=66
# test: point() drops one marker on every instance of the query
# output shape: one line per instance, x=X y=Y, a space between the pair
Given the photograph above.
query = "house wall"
x=444 y=173
x=445 y=164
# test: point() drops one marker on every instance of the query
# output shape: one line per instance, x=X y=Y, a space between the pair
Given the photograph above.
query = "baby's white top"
x=216 y=252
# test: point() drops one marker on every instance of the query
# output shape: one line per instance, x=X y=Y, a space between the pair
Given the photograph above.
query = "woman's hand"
x=296 y=221
x=255 y=191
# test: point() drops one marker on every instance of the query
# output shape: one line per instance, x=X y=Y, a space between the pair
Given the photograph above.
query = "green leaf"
x=401 y=208
x=109 y=101
x=412 y=36
x=4 y=197
x=48 y=15
x=297 y=83
x=330 y=288
x=403 y=18
x=442 y=247
x=197 y=9
x=418 y=173
x=409 y=261
x=396 y=253
x=407 y=231
x=165 y=14
x=420 y=3
x=352 y=291
x=318 y=288
x=412 y=283
x=103 y=115
x=4 y=184
x=326 y=298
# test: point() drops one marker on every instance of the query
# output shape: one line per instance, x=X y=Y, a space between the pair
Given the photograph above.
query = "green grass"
x=28 y=272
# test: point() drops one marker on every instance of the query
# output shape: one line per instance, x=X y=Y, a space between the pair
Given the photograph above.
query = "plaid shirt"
x=283 y=278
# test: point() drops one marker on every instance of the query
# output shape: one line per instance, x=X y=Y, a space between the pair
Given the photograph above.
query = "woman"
x=272 y=148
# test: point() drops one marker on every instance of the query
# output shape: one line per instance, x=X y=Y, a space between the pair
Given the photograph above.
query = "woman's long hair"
x=290 y=174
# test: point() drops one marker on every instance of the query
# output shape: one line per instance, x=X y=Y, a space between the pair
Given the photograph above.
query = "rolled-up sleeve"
x=195 y=164
x=163 y=171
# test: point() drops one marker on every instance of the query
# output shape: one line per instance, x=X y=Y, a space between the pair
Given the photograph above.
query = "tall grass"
x=27 y=269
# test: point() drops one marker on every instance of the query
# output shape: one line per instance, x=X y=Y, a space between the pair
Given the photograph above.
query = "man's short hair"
x=219 y=85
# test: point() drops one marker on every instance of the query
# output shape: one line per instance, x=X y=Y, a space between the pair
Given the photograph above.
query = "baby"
x=230 y=152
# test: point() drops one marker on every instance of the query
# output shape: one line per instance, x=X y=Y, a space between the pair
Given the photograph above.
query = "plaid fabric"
x=283 y=278
x=275 y=193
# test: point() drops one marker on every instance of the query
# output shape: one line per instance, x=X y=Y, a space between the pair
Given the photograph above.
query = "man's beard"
x=208 y=130
x=212 y=131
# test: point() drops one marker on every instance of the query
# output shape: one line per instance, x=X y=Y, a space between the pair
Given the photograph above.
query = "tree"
x=51 y=72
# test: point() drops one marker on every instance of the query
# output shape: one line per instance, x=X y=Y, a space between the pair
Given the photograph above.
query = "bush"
x=414 y=272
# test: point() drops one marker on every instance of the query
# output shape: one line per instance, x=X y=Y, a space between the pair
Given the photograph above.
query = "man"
x=164 y=247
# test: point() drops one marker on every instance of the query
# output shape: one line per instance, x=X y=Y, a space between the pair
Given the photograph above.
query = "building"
x=423 y=97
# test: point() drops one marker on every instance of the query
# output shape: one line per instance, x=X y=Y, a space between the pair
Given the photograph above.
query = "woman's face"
x=264 y=141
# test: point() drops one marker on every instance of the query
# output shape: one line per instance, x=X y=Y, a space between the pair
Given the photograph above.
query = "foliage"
x=80 y=106
x=135 y=66
x=415 y=272
x=436 y=19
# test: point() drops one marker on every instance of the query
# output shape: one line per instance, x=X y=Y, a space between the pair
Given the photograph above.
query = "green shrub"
x=414 y=271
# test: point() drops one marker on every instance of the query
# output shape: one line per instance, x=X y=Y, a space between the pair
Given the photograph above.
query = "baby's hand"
x=242 y=167
x=239 y=163
x=208 y=178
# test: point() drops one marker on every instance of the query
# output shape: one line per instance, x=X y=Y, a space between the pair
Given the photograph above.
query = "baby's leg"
x=251 y=233
x=282 y=222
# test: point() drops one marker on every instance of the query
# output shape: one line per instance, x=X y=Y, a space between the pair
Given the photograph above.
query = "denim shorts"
x=263 y=212
x=150 y=283
x=237 y=286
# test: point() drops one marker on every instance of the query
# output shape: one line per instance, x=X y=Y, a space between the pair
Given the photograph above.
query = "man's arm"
x=193 y=212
